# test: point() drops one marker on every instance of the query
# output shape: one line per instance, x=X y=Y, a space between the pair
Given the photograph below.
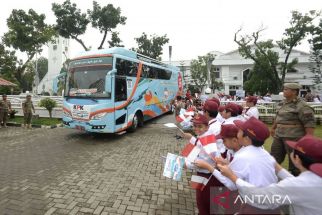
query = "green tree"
x=105 y=19
x=49 y=104
x=316 y=52
x=198 y=71
x=263 y=55
x=8 y=61
x=115 y=40
x=70 y=21
x=28 y=32
x=151 y=47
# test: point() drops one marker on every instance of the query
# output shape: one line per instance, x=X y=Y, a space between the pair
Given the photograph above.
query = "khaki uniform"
x=5 y=106
x=291 y=120
x=27 y=107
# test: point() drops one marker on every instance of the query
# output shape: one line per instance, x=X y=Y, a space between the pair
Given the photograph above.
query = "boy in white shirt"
x=252 y=110
x=302 y=193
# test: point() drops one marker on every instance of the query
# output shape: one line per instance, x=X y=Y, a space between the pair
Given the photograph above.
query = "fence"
x=267 y=110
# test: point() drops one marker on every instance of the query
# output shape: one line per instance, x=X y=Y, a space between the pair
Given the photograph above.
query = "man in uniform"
x=5 y=108
x=27 y=107
x=294 y=119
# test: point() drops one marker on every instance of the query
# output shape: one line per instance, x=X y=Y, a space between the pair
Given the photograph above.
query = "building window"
x=54 y=47
x=233 y=87
x=235 y=78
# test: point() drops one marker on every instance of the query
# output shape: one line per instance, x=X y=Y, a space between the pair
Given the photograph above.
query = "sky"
x=193 y=27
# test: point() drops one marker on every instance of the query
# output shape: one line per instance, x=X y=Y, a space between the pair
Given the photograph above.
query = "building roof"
x=4 y=82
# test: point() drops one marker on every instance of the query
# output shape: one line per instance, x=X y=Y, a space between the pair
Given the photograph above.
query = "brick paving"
x=63 y=171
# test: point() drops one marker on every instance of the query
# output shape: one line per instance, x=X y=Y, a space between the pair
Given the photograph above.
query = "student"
x=251 y=162
x=252 y=110
x=221 y=112
x=210 y=110
x=200 y=128
x=303 y=191
x=231 y=113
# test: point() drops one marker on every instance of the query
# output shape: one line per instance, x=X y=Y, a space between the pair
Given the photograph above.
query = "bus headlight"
x=99 y=116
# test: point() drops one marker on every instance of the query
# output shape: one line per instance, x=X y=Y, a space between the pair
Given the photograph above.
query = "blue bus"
x=112 y=90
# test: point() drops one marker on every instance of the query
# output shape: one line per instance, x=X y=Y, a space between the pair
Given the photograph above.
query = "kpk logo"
x=78 y=107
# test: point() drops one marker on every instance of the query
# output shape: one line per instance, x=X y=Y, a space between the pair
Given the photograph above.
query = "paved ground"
x=63 y=171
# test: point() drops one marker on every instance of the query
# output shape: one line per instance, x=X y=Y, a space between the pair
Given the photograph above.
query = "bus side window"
x=132 y=69
x=145 y=71
x=120 y=66
x=120 y=89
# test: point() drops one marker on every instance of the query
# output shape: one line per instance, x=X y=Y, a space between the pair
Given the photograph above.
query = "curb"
x=35 y=126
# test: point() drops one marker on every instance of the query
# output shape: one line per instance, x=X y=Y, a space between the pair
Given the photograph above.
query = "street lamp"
x=209 y=64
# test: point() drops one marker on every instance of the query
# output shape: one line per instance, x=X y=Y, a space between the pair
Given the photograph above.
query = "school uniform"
x=252 y=112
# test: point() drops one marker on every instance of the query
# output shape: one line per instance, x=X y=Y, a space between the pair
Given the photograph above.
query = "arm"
x=273 y=128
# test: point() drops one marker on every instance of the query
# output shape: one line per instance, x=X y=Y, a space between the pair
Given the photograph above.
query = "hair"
x=306 y=160
x=212 y=114
x=232 y=113
x=256 y=143
x=179 y=98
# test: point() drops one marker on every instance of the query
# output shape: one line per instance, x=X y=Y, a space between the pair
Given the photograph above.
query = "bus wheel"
x=135 y=123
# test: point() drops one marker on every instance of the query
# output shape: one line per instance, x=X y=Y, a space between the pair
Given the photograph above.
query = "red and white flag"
x=209 y=143
x=189 y=112
x=199 y=182
x=191 y=151
x=180 y=118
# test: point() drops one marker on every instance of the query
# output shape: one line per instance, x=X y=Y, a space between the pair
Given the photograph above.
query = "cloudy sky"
x=193 y=27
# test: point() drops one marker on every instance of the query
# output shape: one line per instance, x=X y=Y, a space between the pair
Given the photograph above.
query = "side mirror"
x=109 y=81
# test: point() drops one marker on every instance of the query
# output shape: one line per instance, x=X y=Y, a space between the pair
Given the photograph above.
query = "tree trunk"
x=81 y=42
x=103 y=40
x=50 y=114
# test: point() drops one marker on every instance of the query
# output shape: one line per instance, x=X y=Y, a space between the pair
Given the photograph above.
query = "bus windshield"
x=87 y=81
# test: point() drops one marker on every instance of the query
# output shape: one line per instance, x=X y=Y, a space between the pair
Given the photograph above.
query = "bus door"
x=120 y=98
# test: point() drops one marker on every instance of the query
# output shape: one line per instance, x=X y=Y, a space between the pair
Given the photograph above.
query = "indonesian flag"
x=191 y=151
x=199 y=182
x=180 y=118
x=189 y=112
x=209 y=143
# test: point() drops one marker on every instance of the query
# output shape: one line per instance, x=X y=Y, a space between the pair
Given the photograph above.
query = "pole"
x=209 y=64
x=170 y=54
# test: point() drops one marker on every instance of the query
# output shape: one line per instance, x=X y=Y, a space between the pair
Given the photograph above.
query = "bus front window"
x=87 y=81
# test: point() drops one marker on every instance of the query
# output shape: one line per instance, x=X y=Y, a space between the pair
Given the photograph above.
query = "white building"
x=232 y=68
x=58 y=52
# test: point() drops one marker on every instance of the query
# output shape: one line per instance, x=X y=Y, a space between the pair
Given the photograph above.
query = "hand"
x=203 y=165
x=221 y=160
x=273 y=132
x=278 y=167
x=187 y=135
x=226 y=171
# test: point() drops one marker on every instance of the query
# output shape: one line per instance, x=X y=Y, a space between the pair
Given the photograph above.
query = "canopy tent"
x=4 y=82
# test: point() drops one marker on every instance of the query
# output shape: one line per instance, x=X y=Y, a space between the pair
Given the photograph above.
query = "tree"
x=115 y=40
x=265 y=58
x=105 y=19
x=151 y=47
x=198 y=70
x=49 y=104
x=316 y=52
x=27 y=33
x=8 y=61
x=70 y=22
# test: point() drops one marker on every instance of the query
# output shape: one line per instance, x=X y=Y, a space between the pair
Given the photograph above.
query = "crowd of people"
x=241 y=165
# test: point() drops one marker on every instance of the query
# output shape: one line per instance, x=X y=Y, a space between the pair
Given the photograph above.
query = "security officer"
x=294 y=119
x=5 y=108
x=28 y=107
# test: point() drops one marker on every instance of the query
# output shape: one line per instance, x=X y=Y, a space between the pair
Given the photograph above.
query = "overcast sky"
x=193 y=27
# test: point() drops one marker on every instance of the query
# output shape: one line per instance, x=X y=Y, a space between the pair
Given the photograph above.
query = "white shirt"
x=214 y=126
x=230 y=120
x=220 y=118
x=252 y=111
x=303 y=191
x=252 y=164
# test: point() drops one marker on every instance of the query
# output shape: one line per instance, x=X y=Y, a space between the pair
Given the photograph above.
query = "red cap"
x=231 y=107
x=210 y=106
x=200 y=119
x=228 y=131
x=215 y=100
x=254 y=128
x=308 y=145
x=221 y=108
x=252 y=99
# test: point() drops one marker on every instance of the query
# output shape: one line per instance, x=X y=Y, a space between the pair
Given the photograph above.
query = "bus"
x=113 y=90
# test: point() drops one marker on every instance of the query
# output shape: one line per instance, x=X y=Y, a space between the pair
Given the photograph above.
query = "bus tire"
x=135 y=123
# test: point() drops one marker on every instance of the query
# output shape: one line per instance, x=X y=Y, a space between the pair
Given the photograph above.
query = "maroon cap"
x=210 y=106
x=228 y=131
x=254 y=128
x=215 y=100
x=252 y=99
x=221 y=108
x=308 y=145
x=232 y=107
x=200 y=119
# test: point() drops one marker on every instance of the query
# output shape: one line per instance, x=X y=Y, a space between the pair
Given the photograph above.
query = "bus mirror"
x=108 y=84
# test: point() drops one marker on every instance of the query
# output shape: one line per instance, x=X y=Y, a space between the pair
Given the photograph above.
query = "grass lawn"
x=40 y=121
x=268 y=143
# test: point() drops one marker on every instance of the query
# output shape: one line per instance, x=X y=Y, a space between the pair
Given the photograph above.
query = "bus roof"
x=124 y=52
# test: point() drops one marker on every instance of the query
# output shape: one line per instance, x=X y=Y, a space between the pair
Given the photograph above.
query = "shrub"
x=49 y=104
